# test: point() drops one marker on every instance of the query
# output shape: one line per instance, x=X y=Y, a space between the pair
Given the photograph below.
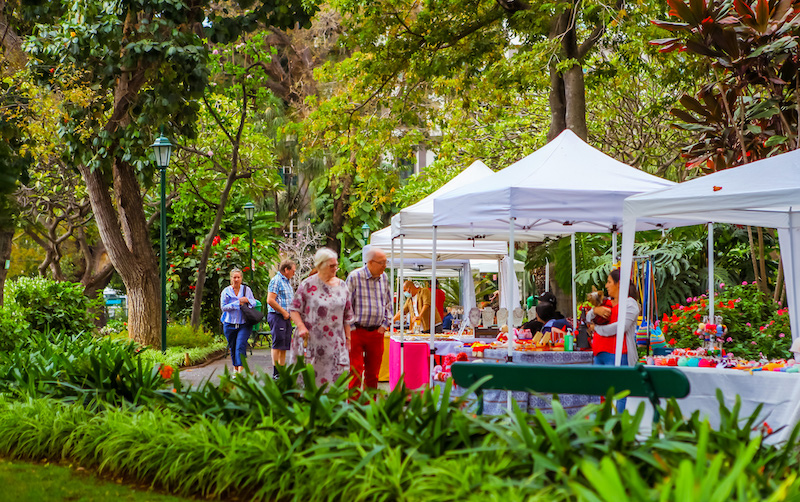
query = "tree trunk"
x=127 y=241
x=762 y=262
x=197 y=305
x=6 y=237
x=575 y=92
x=753 y=255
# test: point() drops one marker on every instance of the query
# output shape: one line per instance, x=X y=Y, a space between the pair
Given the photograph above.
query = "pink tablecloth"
x=416 y=361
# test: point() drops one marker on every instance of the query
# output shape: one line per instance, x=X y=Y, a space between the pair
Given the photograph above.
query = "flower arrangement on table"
x=757 y=327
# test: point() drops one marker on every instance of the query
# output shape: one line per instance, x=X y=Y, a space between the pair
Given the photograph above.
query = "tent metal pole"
x=402 y=376
x=391 y=281
x=711 y=273
x=509 y=300
x=613 y=247
x=574 y=290
x=546 y=275
x=433 y=304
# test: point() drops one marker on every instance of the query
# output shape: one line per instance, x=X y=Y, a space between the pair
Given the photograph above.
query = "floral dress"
x=324 y=310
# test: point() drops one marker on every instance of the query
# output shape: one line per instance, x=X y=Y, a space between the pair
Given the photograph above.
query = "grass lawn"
x=23 y=481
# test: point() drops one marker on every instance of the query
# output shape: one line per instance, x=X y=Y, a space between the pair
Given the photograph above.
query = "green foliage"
x=176 y=354
x=757 y=326
x=48 y=305
x=225 y=255
x=13 y=328
x=78 y=368
x=273 y=440
x=747 y=109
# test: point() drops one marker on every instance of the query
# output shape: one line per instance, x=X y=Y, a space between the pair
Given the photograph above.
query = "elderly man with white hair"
x=371 y=297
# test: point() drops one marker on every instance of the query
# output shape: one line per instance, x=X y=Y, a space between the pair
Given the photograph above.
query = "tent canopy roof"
x=445 y=249
x=762 y=193
x=415 y=220
x=564 y=187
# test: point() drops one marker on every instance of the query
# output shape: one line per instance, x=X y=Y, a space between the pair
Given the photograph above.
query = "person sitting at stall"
x=447 y=322
x=423 y=305
x=550 y=298
x=494 y=302
x=440 y=296
x=544 y=313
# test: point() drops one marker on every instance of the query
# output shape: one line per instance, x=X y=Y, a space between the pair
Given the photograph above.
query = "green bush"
x=80 y=368
x=13 y=328
x=757 y=326
x=179 y=335
x=47 y=305
x=407 y=447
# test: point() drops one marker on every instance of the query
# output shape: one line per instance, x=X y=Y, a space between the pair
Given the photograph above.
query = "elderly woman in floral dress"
x=322 y=312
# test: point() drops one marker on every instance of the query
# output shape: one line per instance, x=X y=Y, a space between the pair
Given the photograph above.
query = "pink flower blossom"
x=721 y=285
x=782 y=335
x=729 y=339
x=753 y=342
x=744 y=283
x=748 y=325
x=215 y=51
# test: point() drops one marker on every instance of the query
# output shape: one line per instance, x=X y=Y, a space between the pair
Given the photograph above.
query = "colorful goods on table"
x=442 y=372
x=555 y=339
x=719 y=358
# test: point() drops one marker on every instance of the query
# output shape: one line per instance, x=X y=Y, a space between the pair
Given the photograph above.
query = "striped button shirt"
x=229 y=303
x=283 y=291
x=371 y=298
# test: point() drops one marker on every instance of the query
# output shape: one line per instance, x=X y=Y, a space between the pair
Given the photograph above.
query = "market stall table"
x=778 y=392
x=416 y=351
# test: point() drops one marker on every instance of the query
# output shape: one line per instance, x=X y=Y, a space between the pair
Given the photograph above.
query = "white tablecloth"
x=779 y=393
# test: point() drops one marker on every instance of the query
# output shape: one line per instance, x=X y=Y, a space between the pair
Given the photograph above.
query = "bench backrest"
x=642 y=381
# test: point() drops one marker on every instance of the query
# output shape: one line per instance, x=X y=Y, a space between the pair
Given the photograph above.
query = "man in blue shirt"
x=279 y=297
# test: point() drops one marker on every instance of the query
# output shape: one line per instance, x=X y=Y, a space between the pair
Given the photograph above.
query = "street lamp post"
x=249 y=212
x=162 y=148
x=365 y=236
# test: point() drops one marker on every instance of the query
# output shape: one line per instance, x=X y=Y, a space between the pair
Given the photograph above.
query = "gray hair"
x=369 y=254
x=236 y=269
x=286 y=265
x=323 y=255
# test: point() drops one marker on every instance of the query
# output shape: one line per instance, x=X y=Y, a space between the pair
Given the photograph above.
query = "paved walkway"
x=259 y=362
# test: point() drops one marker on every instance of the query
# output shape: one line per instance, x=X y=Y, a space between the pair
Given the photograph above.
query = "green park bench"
x=642 y=381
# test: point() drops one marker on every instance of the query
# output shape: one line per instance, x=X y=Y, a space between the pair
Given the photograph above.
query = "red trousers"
x=366 y=354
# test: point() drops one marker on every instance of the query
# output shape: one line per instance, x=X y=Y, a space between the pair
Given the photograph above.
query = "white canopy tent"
x=566 y=186
x=764 y=193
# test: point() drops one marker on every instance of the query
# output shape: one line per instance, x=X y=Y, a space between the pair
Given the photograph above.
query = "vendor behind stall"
x=423 y=306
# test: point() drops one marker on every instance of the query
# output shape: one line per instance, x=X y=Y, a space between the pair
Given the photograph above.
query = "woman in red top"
x=604 y=341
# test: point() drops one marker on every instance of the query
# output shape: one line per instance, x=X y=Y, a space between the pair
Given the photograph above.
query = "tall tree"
x=146 y=62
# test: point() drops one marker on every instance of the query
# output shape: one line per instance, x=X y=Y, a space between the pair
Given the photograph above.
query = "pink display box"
x=416 y=361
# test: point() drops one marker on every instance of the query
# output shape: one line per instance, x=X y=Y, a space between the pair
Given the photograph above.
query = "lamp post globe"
x=162 y=148
x=365 y=233
x=249 y=213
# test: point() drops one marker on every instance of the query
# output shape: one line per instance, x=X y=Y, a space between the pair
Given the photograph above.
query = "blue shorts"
x=281 y=331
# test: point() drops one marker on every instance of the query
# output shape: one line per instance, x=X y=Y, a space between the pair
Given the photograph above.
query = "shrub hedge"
x=96 y=403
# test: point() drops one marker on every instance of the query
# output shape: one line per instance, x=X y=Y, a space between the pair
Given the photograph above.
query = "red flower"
x=245 y=269
x=185 y=254
x=261 y=263
x=166 y=372
x=215 y=241
x=697 y=317
x=234 y=240
x=674 y=318
x=671 y=341
x=191 y=287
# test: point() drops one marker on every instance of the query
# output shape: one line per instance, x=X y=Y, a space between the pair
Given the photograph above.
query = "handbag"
x=250 y=314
